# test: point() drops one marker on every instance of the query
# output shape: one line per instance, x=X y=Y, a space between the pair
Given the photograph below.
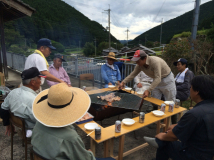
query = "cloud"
x=139 y=16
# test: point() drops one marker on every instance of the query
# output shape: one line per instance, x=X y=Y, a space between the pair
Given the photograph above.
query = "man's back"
x=19 y=102
x=59 y=143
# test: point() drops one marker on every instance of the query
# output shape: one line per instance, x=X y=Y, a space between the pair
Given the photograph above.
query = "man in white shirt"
x=142 y=82
x=38 y=60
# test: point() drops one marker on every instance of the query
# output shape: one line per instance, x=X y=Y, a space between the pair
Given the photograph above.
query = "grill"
x=101 y=109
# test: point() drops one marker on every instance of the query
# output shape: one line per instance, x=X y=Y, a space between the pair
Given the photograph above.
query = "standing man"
x=58 y=71
x=38 y=60
x=110 y=72
x=156 y=68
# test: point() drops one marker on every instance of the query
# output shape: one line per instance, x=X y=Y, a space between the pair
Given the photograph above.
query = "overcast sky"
x=138 y=15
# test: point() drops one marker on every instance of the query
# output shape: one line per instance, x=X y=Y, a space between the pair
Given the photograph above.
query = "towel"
x=40 y=53
x=111 y=66
x=180 y=76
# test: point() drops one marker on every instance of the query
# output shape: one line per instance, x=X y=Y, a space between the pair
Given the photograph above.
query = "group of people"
x=49 y=114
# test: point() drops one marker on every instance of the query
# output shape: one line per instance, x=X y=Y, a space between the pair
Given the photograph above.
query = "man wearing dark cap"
x=156 y=68
x=58 y=71
x=38 y=60
x=183 y=79
x=19 y=101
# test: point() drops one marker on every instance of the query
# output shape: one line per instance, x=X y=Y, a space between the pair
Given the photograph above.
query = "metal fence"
x=74 y=66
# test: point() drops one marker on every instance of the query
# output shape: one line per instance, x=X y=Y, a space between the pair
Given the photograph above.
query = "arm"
x=104 y=75
x=50 y=77
x=118 y=74
x=169 y=136
x=137 y=79
x=157 y=75
x=66 y=76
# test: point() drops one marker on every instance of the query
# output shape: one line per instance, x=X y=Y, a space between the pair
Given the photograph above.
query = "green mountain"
x=58 y=21
x=177 y=25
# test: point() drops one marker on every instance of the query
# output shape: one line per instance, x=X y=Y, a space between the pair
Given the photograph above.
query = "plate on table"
x=168 y=102
x=90 y=126
x=111 y=86
x=128 y=121
x=128 y=89
x=158 y=113
x=140 y=92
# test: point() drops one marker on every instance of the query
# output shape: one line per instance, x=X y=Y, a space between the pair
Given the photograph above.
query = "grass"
x=188 y=34
x=158 y=52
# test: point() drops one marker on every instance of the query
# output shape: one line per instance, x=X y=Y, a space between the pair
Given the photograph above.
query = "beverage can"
x=177 y=103
x=84 y=88
x=171 y=107
x=97 y=133
x=141 y=117
x=118 y=126
x=163 y=107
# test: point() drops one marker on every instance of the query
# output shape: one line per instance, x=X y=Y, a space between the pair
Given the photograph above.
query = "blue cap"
x=60 y=57
x=45 y=42
x=180 y=60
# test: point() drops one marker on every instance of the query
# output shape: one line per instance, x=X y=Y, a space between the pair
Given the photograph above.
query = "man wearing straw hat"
x=56 y=109
x=110 y=72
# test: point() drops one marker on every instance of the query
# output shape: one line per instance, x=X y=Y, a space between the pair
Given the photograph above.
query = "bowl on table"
x=141 y=93
x=158 y=113
x=111 y=86
x=90 y=126
x=128 y=121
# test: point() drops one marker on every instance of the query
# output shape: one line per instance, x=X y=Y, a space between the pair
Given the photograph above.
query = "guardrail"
x=74 y=66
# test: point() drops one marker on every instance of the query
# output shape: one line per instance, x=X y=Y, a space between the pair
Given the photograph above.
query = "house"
x=106 y=51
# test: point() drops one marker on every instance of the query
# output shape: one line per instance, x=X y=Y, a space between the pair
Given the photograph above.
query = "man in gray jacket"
x=183 y=79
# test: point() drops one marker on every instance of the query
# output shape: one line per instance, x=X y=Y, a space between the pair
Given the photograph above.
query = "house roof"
x=14 y=9
x=112 y=50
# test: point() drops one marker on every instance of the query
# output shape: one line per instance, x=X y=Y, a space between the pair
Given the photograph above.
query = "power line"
x=159 y=10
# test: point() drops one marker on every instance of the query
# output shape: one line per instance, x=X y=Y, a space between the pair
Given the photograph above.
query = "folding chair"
x=87 y=76
x=35 y=156
x=20 y=123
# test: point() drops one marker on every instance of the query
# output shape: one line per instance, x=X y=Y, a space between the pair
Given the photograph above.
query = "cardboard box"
x=2 y=79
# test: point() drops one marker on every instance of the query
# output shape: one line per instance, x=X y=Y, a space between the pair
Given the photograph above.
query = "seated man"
x=58 y=71
x=195 y=129
x=110 y=72
x=19 y=101
x=55 y=137
x=142 y=82
x=183 y=79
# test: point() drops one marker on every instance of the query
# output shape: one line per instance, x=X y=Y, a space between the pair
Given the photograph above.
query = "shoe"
x=151 y=141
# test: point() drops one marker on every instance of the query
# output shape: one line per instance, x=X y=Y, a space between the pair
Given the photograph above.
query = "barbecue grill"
x=102 y=109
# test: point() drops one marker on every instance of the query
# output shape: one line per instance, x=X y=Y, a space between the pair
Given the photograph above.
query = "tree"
x=12 y=37
x=89 y=49
x=59 y=47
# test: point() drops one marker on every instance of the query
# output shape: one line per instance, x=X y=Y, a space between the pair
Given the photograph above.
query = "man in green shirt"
x=54 y=136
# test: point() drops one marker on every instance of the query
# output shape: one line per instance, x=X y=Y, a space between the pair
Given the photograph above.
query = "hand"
x=109 y=83
x=171 y=127
x=160 y=136
x=118 y=83
x=69 y=85
x=8 y=130
x=121 y=85
x=146 y=94
x=139 y=85
x=89 y=150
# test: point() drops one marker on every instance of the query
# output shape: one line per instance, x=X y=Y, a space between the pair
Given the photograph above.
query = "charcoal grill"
x=101 y=109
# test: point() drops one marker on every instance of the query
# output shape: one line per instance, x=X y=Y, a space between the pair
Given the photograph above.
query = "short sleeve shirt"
x=195 y=134
x=35 y=60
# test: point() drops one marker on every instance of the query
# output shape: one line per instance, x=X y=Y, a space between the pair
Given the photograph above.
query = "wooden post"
x=92 y=144
x=121 y=147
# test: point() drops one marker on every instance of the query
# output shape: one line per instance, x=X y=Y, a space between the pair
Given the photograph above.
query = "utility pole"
x=194 y=28
x=109 y=28
x=161 y=31
x=127 y=35
x=95 y=46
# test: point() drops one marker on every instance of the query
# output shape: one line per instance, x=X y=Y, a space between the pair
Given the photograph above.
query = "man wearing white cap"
x=54 y=136
x=156 y=68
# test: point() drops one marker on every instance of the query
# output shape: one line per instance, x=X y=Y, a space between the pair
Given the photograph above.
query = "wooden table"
x=108 y=134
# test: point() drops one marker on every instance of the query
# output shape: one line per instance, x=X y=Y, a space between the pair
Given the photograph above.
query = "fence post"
x=12 y=61
x=76 y=66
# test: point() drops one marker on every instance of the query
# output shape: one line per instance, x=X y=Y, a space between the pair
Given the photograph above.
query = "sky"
x=136 y=15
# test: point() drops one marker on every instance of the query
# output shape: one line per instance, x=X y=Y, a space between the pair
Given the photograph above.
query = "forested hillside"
x=60 y=22
x=177 y=25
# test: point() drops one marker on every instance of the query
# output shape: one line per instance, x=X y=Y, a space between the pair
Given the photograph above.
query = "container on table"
x=163 y=107
x=97 y=133
x=118 y=126
x=177 y=103
x=141 y=117
x=171 y=106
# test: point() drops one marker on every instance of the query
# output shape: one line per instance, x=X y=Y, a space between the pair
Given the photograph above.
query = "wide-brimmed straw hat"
x=60 y=105
x=111 y=55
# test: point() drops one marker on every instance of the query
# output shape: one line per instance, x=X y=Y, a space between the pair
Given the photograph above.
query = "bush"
x=89 y=49
x=59 y=47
